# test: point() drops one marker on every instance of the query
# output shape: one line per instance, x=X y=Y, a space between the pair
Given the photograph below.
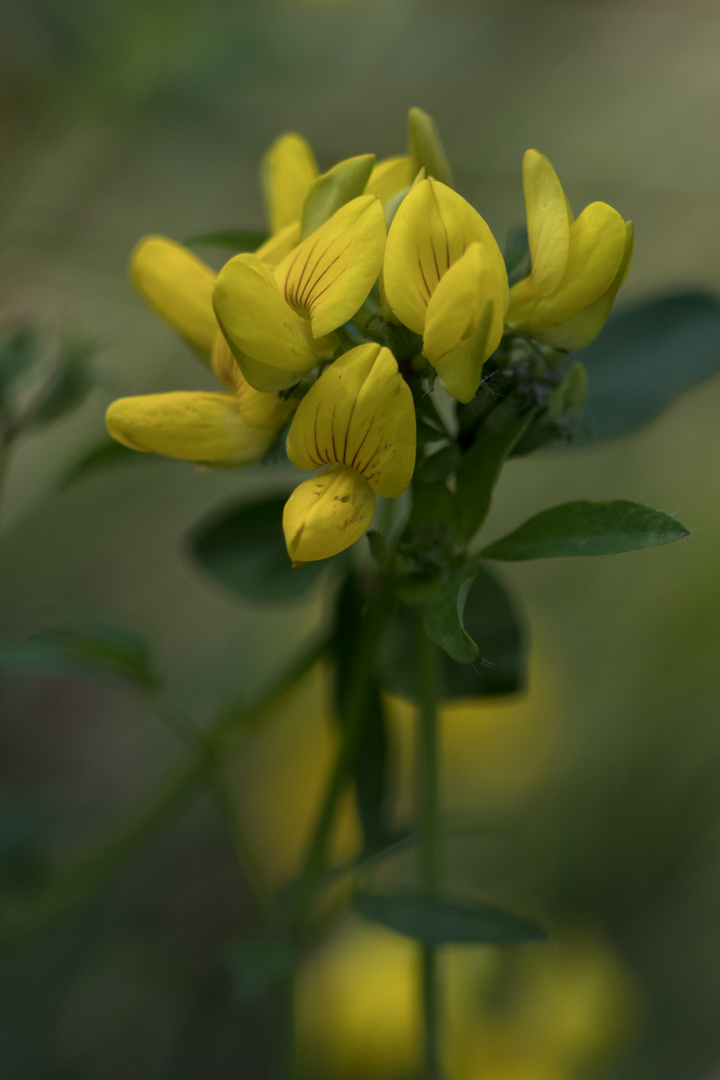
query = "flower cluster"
x=377 y=279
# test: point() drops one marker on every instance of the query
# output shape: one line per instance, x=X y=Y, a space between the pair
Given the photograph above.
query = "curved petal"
x=261 y=410
x=359 y=413
x=582 y=328
x=201 y=427
x=464 y=323
x=332 y=272
x=178 y=287
x=327 y=514
x=597 y=247
x=548 y=225
x=432 y=229
x=223 y=363
x=274 y=250
x=288 y=171
x=388 y=177
x=258 y=324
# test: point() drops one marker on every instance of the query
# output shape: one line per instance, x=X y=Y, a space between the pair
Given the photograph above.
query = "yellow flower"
x=178 y=287
x=277 y=323
x=577 y=265
x=359 y=419
x=444 y=277
x=288 y=172
x=221 y=429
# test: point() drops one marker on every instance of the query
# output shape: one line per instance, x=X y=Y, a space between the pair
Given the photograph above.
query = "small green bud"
x=426 y=149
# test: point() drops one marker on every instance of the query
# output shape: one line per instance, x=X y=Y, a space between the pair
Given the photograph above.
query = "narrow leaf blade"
x=443 y=619
x=480 y=470
x=587 y=528
x=442 y=920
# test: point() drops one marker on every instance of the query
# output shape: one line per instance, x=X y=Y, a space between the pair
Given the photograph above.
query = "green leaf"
x=73 y=381
x=258 y=965
x=646 y=357
x=491 y=621
x=19 y=354
x=104 y=455
x=99 y=648
x=587 y=528
x=333 y=189
x=243 y=547
x=443 y=920
x=440 y=464
x=370 y=767
x=481 y=467
x=443 y=618
x=237 y=239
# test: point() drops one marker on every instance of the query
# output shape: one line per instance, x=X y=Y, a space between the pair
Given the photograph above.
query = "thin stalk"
x=253 y=871
x=430 y=849
x=81 y=877
x=314 y=862
x=5 y=455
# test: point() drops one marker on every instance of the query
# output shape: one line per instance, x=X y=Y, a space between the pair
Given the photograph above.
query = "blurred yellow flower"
x=577 y=266
x=549 y=1012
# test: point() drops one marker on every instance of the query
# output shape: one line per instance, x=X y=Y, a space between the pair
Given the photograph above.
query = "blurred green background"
x=122 y=118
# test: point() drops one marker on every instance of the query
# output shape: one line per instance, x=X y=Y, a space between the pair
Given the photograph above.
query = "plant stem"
x=5 y=454
x=430 y=851
x=82 y=876
x=253 y=871
x=314 y=863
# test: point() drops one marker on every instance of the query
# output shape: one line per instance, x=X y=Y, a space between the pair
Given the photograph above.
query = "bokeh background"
x=121 y=118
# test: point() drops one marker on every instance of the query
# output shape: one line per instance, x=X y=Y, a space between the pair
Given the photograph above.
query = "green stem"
x=83 y=875
x=5 y=455
x=185 y=728
x=430 y=851
x=314 y=864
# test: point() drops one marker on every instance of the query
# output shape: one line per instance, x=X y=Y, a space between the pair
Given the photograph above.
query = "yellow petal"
x=426 y=148
x=359 y=413
x=274 y=250
x=432 y=229
x=345 y=181
x=582 y=328
x=259 y=410
x=288 y=171
x=200 y=427
x=223 y=363
x=178 y=287
x=598 y=254
x=260 y=326
x=388 y=177
x=597 y=248
x=548 y=224
x=327 y=514
x=464 y=323
x=332 y=272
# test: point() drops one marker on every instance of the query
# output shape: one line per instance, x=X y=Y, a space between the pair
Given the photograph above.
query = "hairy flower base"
x=327 y=514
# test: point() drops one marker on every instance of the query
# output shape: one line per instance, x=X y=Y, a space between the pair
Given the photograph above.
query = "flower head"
x=444 y=277
x=277 y=323
x=359 y=420
x=578 y=265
